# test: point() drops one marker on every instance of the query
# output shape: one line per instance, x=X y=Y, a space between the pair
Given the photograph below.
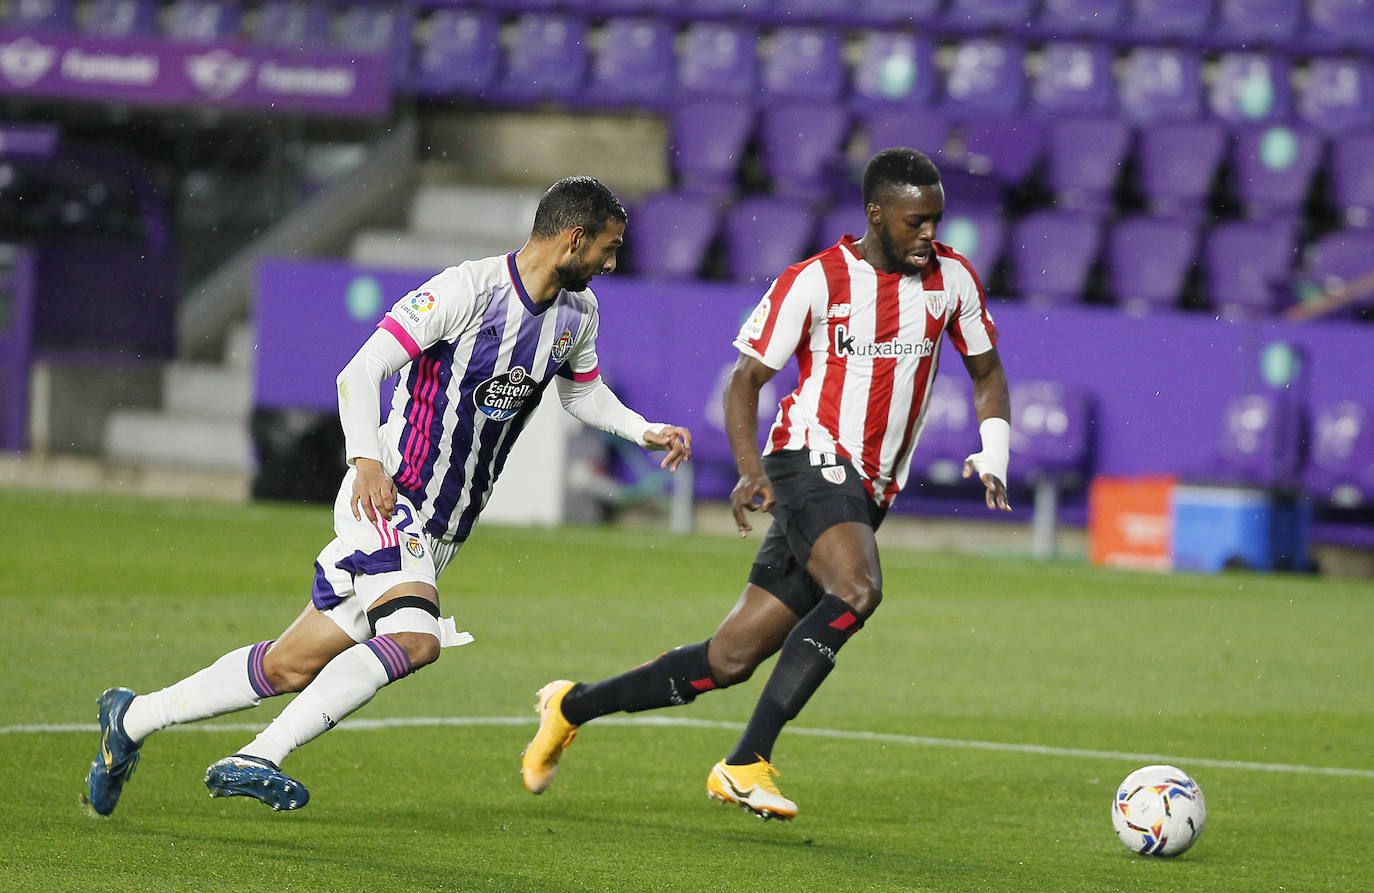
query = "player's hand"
x=996 y=495
x=677 y=441
x=753 y=492
x=373 y=491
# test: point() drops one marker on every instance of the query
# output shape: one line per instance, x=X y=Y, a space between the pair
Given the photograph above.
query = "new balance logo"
x=491 y=333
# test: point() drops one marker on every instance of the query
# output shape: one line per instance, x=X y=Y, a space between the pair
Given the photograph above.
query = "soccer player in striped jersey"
x=865 y=320
x=476 y=347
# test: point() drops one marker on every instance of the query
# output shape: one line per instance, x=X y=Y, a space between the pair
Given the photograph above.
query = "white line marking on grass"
x=888 y=737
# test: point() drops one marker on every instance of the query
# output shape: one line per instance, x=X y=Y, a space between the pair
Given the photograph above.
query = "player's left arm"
x=594 y=403
x=992 y=404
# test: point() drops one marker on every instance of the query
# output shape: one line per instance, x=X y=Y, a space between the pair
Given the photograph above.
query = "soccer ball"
x=1158 y=811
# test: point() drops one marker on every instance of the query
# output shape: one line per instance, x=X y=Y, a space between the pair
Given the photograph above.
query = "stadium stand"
x=1148 y=261
x=1177 y=166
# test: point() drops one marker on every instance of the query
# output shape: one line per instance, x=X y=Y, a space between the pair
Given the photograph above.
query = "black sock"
x=806 y=658
x=674 y=677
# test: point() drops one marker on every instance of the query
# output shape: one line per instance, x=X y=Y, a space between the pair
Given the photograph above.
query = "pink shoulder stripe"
x=400 y=334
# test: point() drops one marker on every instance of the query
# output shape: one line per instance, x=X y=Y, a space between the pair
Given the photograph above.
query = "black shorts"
x=807 y=501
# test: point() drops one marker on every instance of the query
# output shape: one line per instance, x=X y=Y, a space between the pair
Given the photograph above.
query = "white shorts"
x=367 y=558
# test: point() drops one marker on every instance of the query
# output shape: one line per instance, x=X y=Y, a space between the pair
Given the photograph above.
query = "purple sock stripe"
x=392 y=656
x=257 y=676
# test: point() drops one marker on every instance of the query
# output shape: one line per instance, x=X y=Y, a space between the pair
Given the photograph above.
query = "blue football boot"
x=243 y=776
x=118 y=756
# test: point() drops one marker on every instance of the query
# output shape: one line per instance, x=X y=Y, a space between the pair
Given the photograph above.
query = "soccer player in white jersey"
x=476 y=346
x=864 y=319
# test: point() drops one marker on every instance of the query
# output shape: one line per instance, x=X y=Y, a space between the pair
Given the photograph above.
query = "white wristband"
x=996 y=453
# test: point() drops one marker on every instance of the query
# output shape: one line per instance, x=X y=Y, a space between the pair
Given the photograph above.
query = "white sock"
x=223 y=687
x=346 y=683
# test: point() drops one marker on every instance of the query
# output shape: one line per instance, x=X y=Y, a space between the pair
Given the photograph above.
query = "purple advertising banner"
x=229 y=75
x=1158 y=383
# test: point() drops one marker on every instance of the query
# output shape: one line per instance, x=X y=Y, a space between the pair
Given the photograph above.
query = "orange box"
x=1130 y=522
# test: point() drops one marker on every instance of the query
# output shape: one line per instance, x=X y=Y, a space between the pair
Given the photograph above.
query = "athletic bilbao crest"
x=833 y=473
x=562 y=347
x=502 y=396
x=935 y=303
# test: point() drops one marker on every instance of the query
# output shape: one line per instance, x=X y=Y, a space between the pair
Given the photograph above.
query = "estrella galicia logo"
x=502 y=396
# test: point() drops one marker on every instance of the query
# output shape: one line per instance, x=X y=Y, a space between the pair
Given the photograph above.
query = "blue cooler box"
x=1239 y=527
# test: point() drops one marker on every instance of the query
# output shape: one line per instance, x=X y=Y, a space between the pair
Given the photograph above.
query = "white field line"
x=886 y=737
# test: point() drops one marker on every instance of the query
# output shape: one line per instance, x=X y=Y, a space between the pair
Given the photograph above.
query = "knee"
x=422 y=649
x=730 y=667
x=863 y=597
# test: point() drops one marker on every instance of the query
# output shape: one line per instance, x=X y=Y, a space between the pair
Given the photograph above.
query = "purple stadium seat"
x=1080 y=18
x=845 y=218
x=1177 y=164
x=1251 y=88
x=1160 y=84
x=517 y=6
x=718 y=59
x=1340 y=25
x=894 y=70
x=298 y=23
x=966 y=192
x=707 y=138
x=1248 y=267
x=1339 y=95
x=919 y=129
x=1050 y=432
x=1006 y=149
x=1074 y=78
x=672 y=233
x=1148 y=260
x=1084 y=157
x=804 y=63
x=613 y=8
x=699 y=10
x=41 y=15
x=633 y=64
x=1051 y=254
x=377 y=29
x=1352 y=178
x=979 y=233
x=986 y=77
x=1340 y=457
x=1273 y=168
x=949 y=432
x=546 y=60
x=200 y=21
x=1259 y=441
x=1151 y=20
x=891 y=12
x=765 y=235
x=989 y=15
x=1338 y=259
x=121 y=18
x=1263 y=22
x=459 y=54
x=802 y=146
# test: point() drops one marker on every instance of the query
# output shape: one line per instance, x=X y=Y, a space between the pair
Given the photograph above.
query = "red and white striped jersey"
x=867 y=346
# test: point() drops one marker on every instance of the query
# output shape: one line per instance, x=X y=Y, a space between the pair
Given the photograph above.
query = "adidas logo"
x=490 y=333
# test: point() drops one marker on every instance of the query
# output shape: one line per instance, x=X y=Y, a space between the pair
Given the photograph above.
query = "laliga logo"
x=219 y=72
x=26 y=60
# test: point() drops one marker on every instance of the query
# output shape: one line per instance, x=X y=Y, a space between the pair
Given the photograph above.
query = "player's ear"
x=575 y=236
x=874 y=212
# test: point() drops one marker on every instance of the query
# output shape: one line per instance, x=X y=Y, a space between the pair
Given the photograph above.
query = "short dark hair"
x=576 y=201
x=894 y=167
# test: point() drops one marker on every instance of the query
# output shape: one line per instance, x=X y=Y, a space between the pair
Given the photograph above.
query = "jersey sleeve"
x=434 y=312
x=781 y=321
x=971 y=329
x=583 y=363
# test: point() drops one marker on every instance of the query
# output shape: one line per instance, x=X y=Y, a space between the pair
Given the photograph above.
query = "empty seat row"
x=1248 y=269
x=652 y=63
x=1317 y=25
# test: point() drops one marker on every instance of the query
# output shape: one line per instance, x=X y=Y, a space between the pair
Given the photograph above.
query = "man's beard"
x=572 y=279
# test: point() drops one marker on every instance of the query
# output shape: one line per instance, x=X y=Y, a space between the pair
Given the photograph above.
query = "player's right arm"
x=753 y=491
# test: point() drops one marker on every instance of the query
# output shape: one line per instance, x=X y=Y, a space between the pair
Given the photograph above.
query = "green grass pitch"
x=970 y=738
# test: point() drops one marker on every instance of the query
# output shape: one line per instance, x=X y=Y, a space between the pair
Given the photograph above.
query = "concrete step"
x=203 y=389
x=240 y=347
x=421 y=251
x=462 y=210
x=141 y=437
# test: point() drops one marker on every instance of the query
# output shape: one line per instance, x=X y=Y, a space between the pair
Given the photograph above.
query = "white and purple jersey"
x=481 y=355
